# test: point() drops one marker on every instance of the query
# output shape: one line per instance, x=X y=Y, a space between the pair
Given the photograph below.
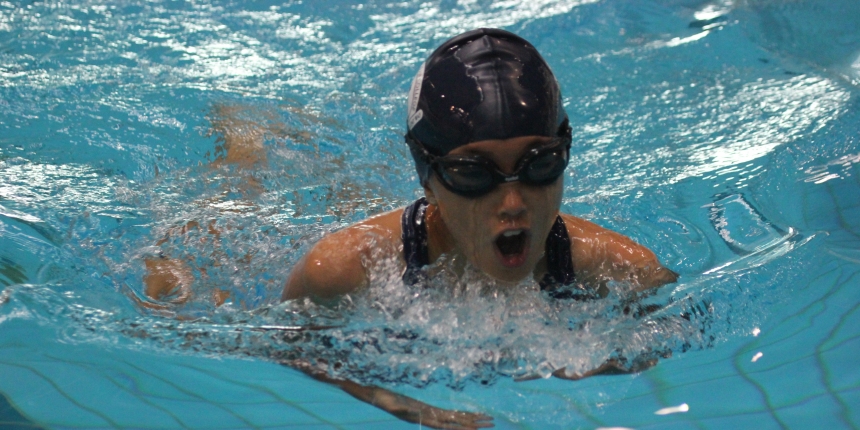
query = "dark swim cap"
x=483 y=84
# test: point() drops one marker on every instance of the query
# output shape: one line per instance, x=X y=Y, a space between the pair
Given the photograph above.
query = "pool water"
x=722 y=135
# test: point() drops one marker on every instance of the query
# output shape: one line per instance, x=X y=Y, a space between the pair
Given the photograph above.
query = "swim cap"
x=480 y=85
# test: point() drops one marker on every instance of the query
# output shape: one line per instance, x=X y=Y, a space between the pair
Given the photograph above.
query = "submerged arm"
x=612 y=366
x=169 y=280
x=403 y=407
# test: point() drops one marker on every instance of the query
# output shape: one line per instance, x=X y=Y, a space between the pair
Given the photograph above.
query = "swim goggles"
x=474 y=175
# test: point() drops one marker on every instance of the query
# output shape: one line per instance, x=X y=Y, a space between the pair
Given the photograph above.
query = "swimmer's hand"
x=168 y=280
x=405 y=408
x=610 y=367
x=413 y=411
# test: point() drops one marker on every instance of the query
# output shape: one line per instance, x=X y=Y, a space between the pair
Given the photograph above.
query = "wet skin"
x=471 y=227
x=456 y=225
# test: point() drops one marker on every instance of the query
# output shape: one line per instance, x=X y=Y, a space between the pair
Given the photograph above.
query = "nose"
x=512 y=206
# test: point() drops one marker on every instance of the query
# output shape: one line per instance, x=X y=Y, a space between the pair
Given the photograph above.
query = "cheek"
x=463 y=219
x=545 y=204
x=547 y=200
x=554 y=194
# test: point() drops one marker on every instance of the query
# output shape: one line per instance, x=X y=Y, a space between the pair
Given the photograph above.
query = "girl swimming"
x=491 y=140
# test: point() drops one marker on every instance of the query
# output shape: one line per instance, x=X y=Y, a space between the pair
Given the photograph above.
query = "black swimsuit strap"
x=416 y=253
x=559 y=261
x=414 y=236
x=560 y=280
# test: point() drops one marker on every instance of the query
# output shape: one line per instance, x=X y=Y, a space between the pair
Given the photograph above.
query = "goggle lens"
x=546 y=167
x=467 y=178
x=474 y=176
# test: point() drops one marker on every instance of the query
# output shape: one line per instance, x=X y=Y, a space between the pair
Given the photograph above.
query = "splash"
x=460 y=329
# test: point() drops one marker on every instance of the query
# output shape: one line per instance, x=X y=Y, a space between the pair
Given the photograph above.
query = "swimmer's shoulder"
x=386 y=223
x=587 y=237
x=333 y=267
x=599 y=252
x=588 y=242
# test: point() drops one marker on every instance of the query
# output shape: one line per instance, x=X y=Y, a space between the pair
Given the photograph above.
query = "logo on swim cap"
x=414 y=118
x=413 y=113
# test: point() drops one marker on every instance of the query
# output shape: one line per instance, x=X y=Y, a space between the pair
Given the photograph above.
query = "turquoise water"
x=724 y=136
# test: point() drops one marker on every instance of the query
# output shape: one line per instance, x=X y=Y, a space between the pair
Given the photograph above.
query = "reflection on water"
x=742 y=226
x=707 y=138
x=832 y=170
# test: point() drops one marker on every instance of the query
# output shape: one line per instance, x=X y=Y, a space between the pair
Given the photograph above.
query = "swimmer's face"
x=503 y=232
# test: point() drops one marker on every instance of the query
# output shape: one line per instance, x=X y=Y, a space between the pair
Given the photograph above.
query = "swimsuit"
x=558 y=258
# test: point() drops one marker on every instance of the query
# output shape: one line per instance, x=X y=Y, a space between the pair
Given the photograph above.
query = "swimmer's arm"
x=403 y=407
x=169 y=280
x=630 y=259
x=610 y=367
x=331 y=269
x=414 y=411
x=600 y=255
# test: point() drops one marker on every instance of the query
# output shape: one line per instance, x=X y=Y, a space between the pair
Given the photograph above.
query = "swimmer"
x=490 y=141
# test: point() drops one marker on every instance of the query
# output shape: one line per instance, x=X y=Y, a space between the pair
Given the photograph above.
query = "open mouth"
x=512 y=246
